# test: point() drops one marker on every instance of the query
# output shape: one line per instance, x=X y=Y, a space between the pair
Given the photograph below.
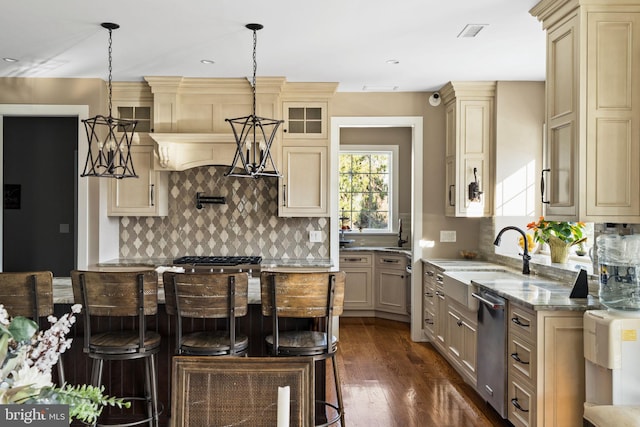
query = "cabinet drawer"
x=521 y=403
x=391 y=261
x=356 y=260
x=428 y=322
x=522 y=322
x=522 y=358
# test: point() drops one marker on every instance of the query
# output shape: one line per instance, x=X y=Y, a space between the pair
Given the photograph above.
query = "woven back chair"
x=29 y=294
x=121 y=294
x=208 y=296
x=317 y=296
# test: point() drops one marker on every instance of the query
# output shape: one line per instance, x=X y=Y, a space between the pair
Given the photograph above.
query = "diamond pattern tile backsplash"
x=248 y=224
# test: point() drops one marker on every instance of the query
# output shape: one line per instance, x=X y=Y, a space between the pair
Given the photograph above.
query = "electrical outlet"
x=447 y=235
x=315 y=236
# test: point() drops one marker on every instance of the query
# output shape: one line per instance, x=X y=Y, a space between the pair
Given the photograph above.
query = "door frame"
x=82 y=246
x=417 y=136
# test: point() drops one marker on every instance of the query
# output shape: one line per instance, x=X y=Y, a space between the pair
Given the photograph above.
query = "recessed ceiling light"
x=393 y=61
x=471 y=30
x=208 y=61
x=10 y=59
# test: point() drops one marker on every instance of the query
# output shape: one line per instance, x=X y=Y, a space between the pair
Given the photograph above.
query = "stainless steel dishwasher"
x=492 y=350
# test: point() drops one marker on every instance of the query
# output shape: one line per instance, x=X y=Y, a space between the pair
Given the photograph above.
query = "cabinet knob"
x=459 y=323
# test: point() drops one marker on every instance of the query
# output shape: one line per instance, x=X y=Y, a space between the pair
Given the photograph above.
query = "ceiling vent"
x=471 y=30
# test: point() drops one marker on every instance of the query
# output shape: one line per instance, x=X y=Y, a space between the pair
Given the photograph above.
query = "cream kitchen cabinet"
x=305 y=120
x=358 y=289
x=545 y=374
x=146 y=195
x=593 y=111
x=391 y=284
x=429 y=302
x=304 y=185
x=469 y=147
x=461 y=340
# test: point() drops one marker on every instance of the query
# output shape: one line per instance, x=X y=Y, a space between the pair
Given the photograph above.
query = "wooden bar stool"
x=318 y=296
x=208 y=296
x=121 y=294
x=29 y=294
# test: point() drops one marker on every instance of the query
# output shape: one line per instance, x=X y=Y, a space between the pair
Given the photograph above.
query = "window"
x=368 y=187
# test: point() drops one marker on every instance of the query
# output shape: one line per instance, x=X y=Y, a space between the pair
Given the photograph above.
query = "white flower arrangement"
x=26 y=359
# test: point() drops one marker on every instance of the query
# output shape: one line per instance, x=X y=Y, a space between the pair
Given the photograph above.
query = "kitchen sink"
x=457 y=284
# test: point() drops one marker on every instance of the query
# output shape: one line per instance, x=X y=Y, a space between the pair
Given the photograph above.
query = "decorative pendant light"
x=254 y=135
x=110 y=156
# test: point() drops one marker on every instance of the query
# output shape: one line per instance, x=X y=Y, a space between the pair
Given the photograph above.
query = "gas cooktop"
x=219 y=260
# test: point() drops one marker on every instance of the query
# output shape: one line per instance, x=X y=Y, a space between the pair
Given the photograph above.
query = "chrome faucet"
x=525 y=256
x=401 y=241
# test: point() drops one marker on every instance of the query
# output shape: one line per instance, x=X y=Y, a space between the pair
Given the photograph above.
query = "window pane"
x=296 y=113
x=365 y=184
x=314 y=113
x=296 y=127
x=314 y=127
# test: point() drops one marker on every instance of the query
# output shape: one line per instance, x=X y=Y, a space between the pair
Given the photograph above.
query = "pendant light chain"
x=110 y=68
x=255 y=68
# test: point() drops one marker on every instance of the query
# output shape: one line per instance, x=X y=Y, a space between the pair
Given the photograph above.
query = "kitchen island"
x=121 y=381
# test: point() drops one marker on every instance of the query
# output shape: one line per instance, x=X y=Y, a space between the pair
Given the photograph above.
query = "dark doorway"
x=39 y=223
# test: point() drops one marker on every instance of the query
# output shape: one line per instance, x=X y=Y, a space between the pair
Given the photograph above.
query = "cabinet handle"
x=152 y=195
x=515 y=357
x=428 y=321
x=451 y=202
x=284 y=194
x=352 y=259
x=439 y=279
x=429 y=273
x=440 y=294
x=542 y=185
x=428 y=294
x=459 y=323
x=390 y=261
x=515 y=403
x=517 y=321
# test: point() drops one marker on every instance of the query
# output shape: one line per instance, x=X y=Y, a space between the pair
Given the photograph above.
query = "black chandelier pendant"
x=109 y=138
x=254 y=135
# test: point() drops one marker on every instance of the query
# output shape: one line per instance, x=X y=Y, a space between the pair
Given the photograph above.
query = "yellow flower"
x=531 y=244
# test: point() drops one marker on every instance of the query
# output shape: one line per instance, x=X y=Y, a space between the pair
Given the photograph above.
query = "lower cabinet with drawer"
x=545 y=367
x=358 y=290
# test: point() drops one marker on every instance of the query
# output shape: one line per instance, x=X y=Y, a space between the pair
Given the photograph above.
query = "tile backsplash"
x=248 y=224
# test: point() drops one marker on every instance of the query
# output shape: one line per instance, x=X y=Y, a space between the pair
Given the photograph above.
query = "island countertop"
x=63 y=292
x=266 y=264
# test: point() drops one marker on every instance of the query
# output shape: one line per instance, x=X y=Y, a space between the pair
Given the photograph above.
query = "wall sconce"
x=474 y=187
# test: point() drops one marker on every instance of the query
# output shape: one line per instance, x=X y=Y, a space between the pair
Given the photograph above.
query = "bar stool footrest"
x=333 y=420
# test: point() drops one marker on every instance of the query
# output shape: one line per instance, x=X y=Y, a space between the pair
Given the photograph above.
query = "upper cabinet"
x=304 y=187
x=470 y=145
x=592 y=148
x=148 y=194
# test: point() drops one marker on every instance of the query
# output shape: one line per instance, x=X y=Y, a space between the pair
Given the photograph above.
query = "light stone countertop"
x=403 y=251
x=535 y=292
x=63 y=293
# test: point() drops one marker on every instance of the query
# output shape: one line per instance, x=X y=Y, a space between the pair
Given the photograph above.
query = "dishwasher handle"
x=494 y=305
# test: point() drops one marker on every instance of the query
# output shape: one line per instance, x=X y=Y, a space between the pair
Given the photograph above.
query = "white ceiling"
x=344 y=41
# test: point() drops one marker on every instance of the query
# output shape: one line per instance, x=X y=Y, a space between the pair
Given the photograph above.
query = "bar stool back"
x=121 y=294
x=306 y=295
x=29 y=294
x=208 y=296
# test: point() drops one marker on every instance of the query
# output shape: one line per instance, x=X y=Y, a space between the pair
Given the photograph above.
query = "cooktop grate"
x=218 y=260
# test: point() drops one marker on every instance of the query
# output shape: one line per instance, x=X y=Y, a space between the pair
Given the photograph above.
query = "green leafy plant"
x=570 y=233
x=26 y=359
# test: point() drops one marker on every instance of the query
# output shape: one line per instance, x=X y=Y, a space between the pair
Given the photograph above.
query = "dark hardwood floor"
x=389 y=380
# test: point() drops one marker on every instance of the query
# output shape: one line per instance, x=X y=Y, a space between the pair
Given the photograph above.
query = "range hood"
x=180 y=151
